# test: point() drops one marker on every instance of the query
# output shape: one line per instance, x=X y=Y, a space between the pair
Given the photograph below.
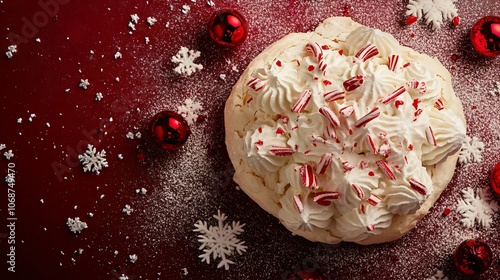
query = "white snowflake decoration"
x=11 y=50
x=477 y=207
x=123 y=277
x=496 y=90
x=134 y=18
x=92 y=160
x=98 y=96
x=220 y=241
x=84 y=83
x=438 y=276
x=151 y=21
x=127 y=210
x=189 y=110
x=133 y=258
x=434 y=12
x=2 y=146
x=471 y=150
x=185 y=58
x=75 y=225
x=8 y=155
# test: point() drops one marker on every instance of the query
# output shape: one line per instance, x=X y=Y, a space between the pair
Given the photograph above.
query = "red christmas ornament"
x=472 y=257
x=169 y=130
x=227 y=28
x=495 y=179
x=485 y=36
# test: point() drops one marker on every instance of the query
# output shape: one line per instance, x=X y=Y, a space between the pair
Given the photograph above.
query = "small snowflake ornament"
x=477 y=207
x=434 y=12
x=438 y=276
x=11 y=50
x=496 y=90
x=8 y=155
x=92 y=160
x=75 y=225
x=185 y=58
x=189 y=110
x=220 y=241
x=84 y=83
x=471 y=150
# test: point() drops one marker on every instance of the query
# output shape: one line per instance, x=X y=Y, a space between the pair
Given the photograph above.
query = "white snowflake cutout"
x=189 y=110
x=92 y=160
x=8 y=155
x=220 y=241
x=438 y=276
x=477 y=207
x=185 y=58
x=471 y=150
x=75 y=225
x=434 y=12
x=496 y=90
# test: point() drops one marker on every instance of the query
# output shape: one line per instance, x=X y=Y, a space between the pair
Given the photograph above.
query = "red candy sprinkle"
x=411 y=20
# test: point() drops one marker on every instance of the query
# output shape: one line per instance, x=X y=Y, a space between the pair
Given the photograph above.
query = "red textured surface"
x=191 y=183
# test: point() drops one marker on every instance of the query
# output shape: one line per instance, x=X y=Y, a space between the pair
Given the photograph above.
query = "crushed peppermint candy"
x=92 y=160
x=471 y=150
x=185 y=60
x=75 y=225
x=220 y=241
x=477 y=206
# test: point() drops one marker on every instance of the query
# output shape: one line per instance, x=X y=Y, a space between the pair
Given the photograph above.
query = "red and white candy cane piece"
x=430 y=136
x=418 y=187
x=347 y=111
x=386 y=169
x=302 y=101
x=347 y=166
x=297 y=202
x=393 y=62
x=439 y=104
x=371 y=144
x=374 y=113
x=414 y=84
x=307 y=177
x=393 y=95
x=370 y=227
x=256 y=84
x=322 y=65
x=280 y=151
x=325 y=198
x=361 y=209
x=334 y=95
x=367 y=52
x=353 y=82
x=329 y=115
x=374 y=200
x=330 y=131
x=324 y=162
x=315 y=49
x=358 y=190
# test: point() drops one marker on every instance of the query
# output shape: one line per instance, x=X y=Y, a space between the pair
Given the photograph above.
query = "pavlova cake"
x=343 y=134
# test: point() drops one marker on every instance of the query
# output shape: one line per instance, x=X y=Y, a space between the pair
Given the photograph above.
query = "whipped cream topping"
x=343 y=132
